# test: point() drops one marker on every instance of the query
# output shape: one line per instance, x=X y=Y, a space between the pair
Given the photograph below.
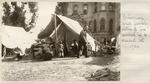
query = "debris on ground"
x=105 y=75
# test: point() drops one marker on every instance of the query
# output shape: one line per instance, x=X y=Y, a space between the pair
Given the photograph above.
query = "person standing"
x=61 y=49
x=83 y=42
x=75 y=48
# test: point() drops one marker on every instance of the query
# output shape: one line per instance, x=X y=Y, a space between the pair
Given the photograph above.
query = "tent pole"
x=55 y=36
x=55 y=28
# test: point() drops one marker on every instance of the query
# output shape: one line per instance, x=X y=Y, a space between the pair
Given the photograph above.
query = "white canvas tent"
x=13 y=37
x=67 y=30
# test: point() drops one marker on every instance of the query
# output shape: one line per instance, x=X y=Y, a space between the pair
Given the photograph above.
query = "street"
x=62 y=69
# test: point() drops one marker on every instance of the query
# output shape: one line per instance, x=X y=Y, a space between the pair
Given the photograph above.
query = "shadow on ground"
x=24 y=59
x=107 y=73
x=102 y=60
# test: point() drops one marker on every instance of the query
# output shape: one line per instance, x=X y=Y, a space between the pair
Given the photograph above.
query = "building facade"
x=103 y=18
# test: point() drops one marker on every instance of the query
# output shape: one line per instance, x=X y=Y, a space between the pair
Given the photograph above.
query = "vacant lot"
x=63 y=69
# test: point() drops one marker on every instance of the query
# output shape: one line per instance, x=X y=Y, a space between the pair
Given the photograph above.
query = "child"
x=61 y=49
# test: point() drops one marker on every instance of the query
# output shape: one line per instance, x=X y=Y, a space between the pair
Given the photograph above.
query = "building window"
x=75 y=8
x=110 y=6
x=85 y=8
x=111 y=26
x=95 y=7
x=102 y=24
x=95 y=26
x=103 y=6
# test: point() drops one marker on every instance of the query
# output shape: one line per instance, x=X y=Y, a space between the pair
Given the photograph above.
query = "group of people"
x=109 y=46
x=47 y=48
x=57 y=49
x=80 y=48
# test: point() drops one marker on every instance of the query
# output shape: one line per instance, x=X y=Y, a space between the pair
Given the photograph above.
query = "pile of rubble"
x=104 y=75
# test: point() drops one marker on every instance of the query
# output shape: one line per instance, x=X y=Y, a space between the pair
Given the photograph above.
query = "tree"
x=6 y=17
x=15 y=14
x=33 y=9
x=61 y=8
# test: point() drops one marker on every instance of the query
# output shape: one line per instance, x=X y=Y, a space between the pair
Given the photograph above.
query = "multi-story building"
x=103 y=18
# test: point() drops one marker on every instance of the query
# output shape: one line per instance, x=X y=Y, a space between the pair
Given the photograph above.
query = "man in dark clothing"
x=83 y=42
x=75 y=48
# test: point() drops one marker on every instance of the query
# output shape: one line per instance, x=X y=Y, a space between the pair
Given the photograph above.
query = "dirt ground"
x=63 y=69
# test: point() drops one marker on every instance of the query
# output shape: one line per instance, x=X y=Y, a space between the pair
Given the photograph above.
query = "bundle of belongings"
x=109 y=46
x=42 y=50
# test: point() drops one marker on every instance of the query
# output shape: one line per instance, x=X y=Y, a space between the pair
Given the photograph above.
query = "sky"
x=44 y=17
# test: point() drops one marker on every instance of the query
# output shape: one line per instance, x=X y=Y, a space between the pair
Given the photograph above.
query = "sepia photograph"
x=60 y=41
